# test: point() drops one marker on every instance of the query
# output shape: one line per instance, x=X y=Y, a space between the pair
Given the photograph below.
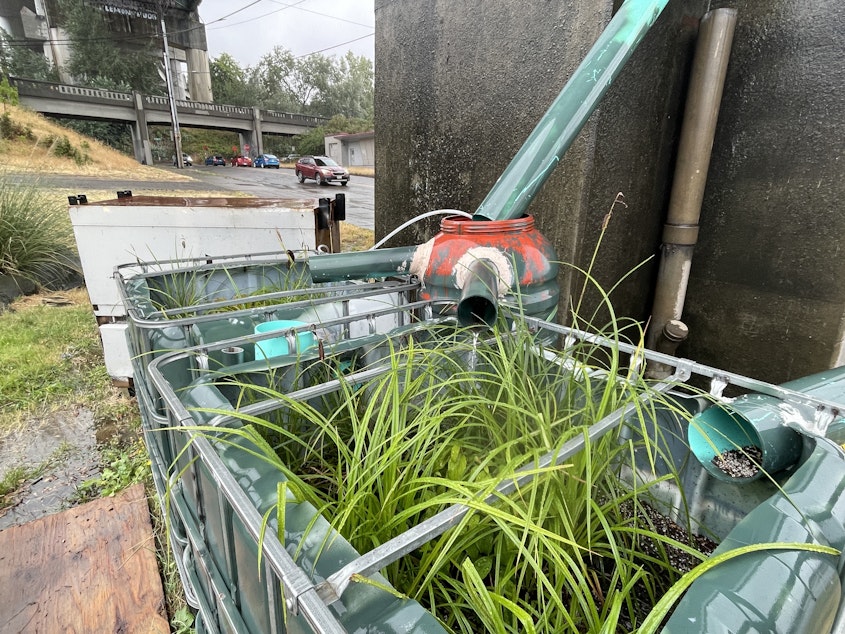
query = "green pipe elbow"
x=762 y=421
x=479 y=296
x=752 y=421
x=779 y=591
x=361 y=265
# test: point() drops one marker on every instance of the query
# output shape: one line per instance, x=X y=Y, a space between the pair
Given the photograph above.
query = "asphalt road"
x=282 y=183
x=264 y=183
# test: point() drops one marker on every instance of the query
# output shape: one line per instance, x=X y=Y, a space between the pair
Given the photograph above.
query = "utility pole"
x=174 y=119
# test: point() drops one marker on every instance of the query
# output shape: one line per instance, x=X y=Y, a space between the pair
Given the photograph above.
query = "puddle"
x=66 y=439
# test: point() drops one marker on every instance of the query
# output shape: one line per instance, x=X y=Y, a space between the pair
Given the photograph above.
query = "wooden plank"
x=89 y=569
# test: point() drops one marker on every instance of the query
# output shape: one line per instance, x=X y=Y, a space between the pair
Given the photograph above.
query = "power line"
x=258 y=17
x=328 y=48
x=324 y=15
x=229 y=15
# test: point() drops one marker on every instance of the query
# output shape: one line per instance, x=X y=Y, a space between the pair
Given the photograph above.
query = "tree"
x=21 y=61
x=230 y=83
x=317 y=84
x=351 y=92
x=290 y=83
x=313 y=141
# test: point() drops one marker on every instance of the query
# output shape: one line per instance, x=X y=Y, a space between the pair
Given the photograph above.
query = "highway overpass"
x=139 y=110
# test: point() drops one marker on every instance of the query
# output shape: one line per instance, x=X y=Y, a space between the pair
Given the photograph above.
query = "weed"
x=8 y=93
x=7 y=130
x=15 y=477
x=50 y=356
x=182 y=621
x=64 y=148
x=10 y=129
x=123 y=467
x=12 y=481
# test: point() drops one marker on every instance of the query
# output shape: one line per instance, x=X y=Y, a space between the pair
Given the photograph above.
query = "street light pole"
x=174 y=119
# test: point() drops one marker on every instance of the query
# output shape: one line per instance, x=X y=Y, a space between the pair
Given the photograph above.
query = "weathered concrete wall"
x=459 y=89
x=460 y=85
x=767 y=290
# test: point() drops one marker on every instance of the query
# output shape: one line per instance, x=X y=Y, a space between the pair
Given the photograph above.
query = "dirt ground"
x=66 y=441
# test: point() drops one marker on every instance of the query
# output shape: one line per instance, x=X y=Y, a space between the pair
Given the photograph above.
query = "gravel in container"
x=740 y=463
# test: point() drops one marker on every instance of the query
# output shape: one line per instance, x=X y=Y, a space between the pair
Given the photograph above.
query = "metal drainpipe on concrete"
x=680 y=233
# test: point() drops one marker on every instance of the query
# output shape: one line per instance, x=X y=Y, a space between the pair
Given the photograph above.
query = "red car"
x=241 y=161
x=322 y=169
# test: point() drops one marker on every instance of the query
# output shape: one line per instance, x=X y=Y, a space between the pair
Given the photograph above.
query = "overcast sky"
x=301 y=26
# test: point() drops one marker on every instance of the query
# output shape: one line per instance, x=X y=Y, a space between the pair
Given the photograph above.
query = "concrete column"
x=199 y=75
x=247 y=138
x=256 y=131
x=140 y=131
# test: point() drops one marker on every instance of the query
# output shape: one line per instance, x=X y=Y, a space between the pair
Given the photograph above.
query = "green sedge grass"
x=173 y=294
x=450 y=419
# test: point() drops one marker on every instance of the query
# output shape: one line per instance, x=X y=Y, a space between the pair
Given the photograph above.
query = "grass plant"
x=445 y=424
x=174 y=294
x=52 y=360
x=34 y=151
x=36 y=240
x=14 y=478
x=449 y=422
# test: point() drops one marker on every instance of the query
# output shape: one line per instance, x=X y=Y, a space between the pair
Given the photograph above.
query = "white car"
x=186 y=159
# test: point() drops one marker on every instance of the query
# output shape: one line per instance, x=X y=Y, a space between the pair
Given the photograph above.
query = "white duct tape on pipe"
x=504 y=270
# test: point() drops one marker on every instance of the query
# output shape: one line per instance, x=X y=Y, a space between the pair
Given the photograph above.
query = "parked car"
x=186 y=159
x=215 y=160
x=322 y=169
x=241 y=161
x=290 y=158
x=266 y=160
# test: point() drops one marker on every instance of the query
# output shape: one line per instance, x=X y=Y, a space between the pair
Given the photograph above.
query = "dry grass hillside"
x=30 y=142
x=31 y=147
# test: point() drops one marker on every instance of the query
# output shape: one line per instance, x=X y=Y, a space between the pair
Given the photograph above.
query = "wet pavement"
x=263 y=183
x=66 y=441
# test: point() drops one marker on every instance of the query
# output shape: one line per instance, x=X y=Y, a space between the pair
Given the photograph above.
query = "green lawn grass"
x=50 y=355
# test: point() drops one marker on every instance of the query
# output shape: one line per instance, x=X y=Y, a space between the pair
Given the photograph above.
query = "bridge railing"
x=160 y=103
x=65 y=91
x=35 y=87
x=288 y=117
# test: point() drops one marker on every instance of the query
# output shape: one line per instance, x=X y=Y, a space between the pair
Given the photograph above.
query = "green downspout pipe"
x=338 y=267
x=541 y=152
x=529 y=169
x=782 y=592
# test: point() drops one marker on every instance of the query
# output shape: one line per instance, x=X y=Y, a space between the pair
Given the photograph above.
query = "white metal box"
x=145 y=228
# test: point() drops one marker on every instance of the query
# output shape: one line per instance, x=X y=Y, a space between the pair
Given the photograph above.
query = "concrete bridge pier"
x=140 y=131
x=253 y=137
x=257 y=133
